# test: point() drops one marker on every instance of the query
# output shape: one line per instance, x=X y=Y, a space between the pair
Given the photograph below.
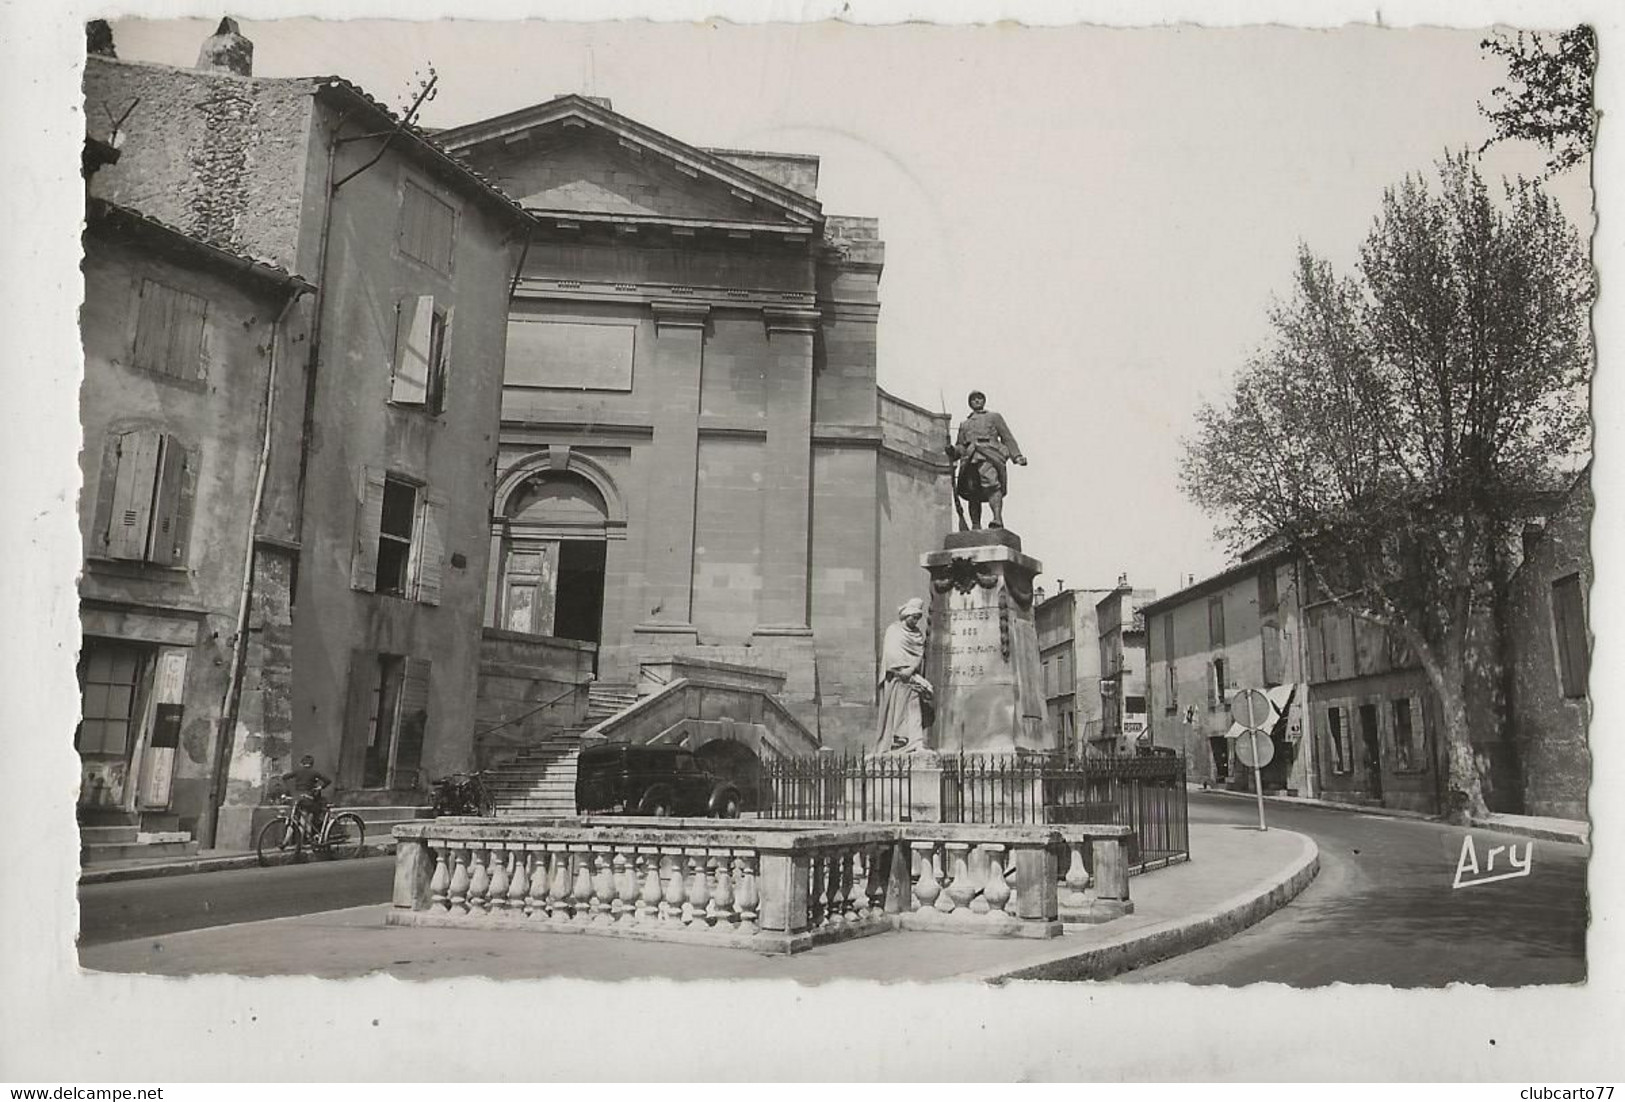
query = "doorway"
x=555 y=587
x=1371 y=742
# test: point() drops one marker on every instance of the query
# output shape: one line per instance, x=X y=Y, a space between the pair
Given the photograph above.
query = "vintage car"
x=619 y=778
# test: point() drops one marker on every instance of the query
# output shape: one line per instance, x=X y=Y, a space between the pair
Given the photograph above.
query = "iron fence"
x=1146 y=793
x=849 y=788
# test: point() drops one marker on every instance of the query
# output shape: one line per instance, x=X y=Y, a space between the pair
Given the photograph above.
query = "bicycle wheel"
x=345 y=835
x=277 y=837
x=487 y=800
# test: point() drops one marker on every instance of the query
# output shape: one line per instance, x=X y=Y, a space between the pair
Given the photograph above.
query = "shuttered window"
x=1337 y=731
x=427 y=227
x=144 y=500
x=1569 y=622
x=1215 y=622
x=422 y=347
x=169 y=331
x=399 y=542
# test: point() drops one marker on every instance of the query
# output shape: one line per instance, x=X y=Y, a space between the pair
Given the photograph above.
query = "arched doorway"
x=554 y=557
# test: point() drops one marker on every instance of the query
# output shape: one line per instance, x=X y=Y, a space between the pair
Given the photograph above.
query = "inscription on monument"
x=972 y=637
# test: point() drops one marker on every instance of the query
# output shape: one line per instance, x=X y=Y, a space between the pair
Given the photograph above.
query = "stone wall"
x=532 y=688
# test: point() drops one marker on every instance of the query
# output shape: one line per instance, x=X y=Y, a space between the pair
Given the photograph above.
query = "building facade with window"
x=1069 y=656
x=1548 y=655
x=1125 y=719
x=182 y=340
x=390 y=405
x=695 y=457
x=1238 y=629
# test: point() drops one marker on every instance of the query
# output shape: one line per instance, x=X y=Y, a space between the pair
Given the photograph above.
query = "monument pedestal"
x=981 y=651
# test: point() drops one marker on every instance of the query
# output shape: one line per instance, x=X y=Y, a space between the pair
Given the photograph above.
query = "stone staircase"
x=541 y=781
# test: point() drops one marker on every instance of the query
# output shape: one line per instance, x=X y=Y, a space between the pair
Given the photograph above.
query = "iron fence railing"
x=1145 y=793
x=849 y=788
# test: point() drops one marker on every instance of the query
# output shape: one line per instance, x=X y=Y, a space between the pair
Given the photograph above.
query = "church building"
x=694 y=456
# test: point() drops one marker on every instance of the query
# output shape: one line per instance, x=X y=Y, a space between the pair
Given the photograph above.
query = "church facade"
x=694 y=456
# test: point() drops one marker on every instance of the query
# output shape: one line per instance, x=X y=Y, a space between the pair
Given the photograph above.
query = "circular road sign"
x=1255 y=749
x=1251 y=708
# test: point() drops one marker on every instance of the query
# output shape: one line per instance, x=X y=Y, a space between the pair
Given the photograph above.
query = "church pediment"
x=573 y=155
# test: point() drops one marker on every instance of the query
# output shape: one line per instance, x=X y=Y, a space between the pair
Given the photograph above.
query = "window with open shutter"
x=415 y=333
x=172 y=504
x=412 y=725
x=144 y=502
x=430 y=549
x=369 y=511
x=169 y=331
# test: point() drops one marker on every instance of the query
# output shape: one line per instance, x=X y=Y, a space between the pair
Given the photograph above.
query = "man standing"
x=984 y=445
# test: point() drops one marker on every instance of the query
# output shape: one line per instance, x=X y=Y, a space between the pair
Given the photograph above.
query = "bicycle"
x=337 y=835
x=464 y=794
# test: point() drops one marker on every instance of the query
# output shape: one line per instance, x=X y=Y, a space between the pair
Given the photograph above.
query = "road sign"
x=1251 y=708
x=1255 y=749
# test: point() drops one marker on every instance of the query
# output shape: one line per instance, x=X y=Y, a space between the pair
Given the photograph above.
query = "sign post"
x=1251 y=710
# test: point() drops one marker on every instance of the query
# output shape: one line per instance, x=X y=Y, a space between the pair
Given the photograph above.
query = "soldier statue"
x=984 y=445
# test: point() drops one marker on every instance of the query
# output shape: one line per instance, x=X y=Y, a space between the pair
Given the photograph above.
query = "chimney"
x=227 y=51
x=1122 y=580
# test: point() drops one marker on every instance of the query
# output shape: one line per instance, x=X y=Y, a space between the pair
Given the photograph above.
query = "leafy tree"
x=1405 y=421
x=1552 y=104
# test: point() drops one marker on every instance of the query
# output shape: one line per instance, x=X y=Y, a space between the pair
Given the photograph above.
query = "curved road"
x=1383 y=910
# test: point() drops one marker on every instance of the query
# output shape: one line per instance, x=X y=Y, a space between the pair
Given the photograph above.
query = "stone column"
x=671 y=467
x=982 y=648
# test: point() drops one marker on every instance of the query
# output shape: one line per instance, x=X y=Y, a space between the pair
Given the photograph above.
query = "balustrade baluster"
x=603 y=889
x=458 y=891
x=479 y=880
x=559 y=887
x=748 y=897
x=536 y=900
x=519 y=889
x=626 y=891
x=721 y=913
x=997 y=893
x=928 y=887
x=698 y=893
x=648 y=907
x=815 y=894
x=581 y=890
x=857 y=897
x=441 y=880
x=978 y=868
x=671 y=904
x=960 y=890
x=1077 y=876
x=498 y=894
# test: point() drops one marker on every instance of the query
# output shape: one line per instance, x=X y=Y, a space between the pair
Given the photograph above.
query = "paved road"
x=1383 y=910
x=166 y=904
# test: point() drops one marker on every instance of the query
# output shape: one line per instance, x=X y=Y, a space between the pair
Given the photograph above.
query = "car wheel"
x=656 y=804
x=728 y=806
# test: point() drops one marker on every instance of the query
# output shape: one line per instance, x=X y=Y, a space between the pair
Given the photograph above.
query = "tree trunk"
x=1464 y=790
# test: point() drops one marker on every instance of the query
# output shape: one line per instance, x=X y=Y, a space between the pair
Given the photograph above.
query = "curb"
x=1548 y=834
x=1179 y=936
x=212 y=864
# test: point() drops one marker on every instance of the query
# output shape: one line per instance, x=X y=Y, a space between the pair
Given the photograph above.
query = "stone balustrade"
x=774 y=887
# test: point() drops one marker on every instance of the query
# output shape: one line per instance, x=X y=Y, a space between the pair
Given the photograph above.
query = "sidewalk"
x=1527 y=826
x=207 y=860
x=1237 y=876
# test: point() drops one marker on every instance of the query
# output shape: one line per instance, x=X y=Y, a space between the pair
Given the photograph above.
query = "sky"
x=1086 y=223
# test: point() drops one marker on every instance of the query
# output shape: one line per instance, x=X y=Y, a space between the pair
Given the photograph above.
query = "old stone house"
x=1125 y=724
x=388 y=405
x=183 y=344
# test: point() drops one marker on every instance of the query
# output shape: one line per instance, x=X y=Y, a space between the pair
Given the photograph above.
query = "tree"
x=1404 y=422
x=1553 y=104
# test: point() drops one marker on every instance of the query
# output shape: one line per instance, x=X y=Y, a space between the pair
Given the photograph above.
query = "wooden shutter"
x=360 y=699
x=1573 y=648
x=369 y=514
x=414 y=328
x=440 y=370
x=1212 y=683
x=106 y=482
x=172 y=504
x=131 y=517
x=429 y=548
x=169 y=331
x=412 y=722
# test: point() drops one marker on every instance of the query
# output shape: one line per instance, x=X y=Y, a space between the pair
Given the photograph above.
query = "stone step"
x=108 y=835
x=101 y=853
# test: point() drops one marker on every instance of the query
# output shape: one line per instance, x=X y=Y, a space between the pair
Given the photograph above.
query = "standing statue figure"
x=904 y=694
x=984 y=445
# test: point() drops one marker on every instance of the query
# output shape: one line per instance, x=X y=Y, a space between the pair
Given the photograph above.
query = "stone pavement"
x=1527 y=826
x=1237 y=876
